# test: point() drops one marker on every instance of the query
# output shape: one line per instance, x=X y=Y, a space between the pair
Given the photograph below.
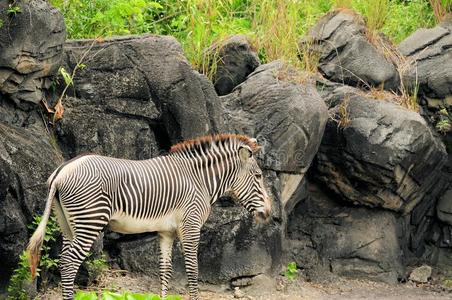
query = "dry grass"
x=342 y=116
x=403 y=98
x=440 y=9
x=289 y=73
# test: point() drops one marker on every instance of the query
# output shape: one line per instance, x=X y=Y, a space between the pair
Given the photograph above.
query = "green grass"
x=274 y=26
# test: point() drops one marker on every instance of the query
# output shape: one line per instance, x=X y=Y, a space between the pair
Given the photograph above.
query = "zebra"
x=170 y=194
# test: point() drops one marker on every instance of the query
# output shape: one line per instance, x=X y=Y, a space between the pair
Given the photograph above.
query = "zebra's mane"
x=206 y=142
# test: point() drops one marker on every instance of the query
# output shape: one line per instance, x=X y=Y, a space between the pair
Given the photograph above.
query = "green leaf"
x=106 y=295
x=66 y=76
x=80 y=295
x=136 y=296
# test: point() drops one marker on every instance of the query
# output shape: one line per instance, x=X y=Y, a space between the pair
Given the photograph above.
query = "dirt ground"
x=264 y=288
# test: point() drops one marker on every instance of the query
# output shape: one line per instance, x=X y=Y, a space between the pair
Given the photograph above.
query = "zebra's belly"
x=127 y=224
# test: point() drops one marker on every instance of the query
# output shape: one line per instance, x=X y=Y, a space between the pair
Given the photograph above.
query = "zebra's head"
x=248 y=187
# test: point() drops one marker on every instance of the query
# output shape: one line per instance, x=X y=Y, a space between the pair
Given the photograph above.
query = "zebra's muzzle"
x=262 y=216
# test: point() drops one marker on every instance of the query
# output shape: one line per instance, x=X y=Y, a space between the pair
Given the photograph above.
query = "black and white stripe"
x=170 y=194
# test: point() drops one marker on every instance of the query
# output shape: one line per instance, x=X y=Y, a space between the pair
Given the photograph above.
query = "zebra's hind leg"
x=166 y=240
x=73 y=256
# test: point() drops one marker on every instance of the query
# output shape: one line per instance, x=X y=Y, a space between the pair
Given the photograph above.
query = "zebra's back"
x=138 y=196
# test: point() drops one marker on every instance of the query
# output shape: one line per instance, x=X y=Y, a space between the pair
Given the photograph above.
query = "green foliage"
x=291 y=271
x=108 y=295
x=13 y=9
x=80 y=295
x=444 y=126
x=66 y=76
x=96 y=267
x=20 y=279
x=405 y=17
x=274 y=26
x=47 y=263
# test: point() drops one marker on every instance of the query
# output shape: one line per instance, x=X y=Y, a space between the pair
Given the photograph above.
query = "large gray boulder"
x=429 y=52
x=379 y=154
x=326 y=235
x=135 y=97
x=31 y=47
x=345 y=53
x=26 y=161
x=286 y=117
x=234 y=60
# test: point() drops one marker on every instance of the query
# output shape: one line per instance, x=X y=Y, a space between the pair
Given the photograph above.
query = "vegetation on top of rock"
x=274 y=25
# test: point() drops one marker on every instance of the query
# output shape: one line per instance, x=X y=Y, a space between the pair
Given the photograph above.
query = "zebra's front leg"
x=189 y=236
x=165 y=266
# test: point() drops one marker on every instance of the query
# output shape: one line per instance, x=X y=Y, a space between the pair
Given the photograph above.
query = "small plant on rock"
x=13 y=9
x=444 y=124
x=17 y=287
x=47 y=263
x=96 y=267
x=291 y=271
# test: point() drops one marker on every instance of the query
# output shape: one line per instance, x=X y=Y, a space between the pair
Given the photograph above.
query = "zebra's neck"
x=214 y=169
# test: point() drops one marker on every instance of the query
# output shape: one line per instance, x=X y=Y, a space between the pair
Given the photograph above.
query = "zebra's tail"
x=36 y=240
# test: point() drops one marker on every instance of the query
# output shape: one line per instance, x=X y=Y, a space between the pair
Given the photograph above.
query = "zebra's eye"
x=258 y=176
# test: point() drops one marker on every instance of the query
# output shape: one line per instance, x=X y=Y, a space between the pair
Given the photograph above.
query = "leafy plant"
x=291 y=271
x=47 y=263
x=444 y=126
x=21 y=278
x=13 y=9
x=96 y=267
x=109 y=295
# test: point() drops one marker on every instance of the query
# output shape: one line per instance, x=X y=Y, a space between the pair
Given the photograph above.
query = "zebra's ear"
x=256 y=147
x=245 y=153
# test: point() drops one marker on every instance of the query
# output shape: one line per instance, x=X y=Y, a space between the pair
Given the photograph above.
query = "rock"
x=238 y=293
x=140 y=85
x=26 y=161
x=381 y=156
x=235 y=60
x=444 y=207
x=429 y=52
x=421 y=274
x=31 y=47
x=294 y=115
x=327 y=235
x=346 y=55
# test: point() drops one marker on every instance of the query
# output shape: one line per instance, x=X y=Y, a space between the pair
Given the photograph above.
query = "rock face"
x=234 y=60
x=444 y=207
x=326 y=235
x=430 y=54
x=26 y=160
x=382 y=156
x=31 y=47
x=345 y=53
x=140 y=85
x=287 y=118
